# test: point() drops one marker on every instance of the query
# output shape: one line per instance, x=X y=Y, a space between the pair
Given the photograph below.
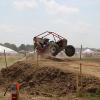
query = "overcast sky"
x=77 y=20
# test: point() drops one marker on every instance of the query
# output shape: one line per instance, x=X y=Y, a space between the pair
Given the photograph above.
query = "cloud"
x=25 y=4
x=7 y=28
x=81 y=27
x=51 y=6
x=91 y=1
x=75 y=26
x=55 y=8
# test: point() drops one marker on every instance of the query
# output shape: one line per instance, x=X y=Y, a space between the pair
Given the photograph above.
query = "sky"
x=76 y=20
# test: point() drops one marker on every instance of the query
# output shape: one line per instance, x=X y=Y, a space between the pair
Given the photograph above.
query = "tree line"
x=19 y=48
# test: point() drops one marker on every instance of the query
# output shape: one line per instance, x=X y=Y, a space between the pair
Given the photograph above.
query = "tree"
x=22 y=47
x=11 y=46
x=29 y=47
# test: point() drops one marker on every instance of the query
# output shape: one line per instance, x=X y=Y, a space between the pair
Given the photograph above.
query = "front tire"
x=54 y=49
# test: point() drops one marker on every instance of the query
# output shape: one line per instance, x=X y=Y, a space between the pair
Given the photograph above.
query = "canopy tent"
x=7 y=50
x=88 y=51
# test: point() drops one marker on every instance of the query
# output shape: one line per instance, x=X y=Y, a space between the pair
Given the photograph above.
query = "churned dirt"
x=50 y=78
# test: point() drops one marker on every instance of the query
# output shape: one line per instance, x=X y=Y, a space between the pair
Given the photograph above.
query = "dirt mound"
x=48 y=81
x=17 y=71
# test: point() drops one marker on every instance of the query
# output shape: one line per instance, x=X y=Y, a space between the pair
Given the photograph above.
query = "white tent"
x=7 y=50
x=88 y=51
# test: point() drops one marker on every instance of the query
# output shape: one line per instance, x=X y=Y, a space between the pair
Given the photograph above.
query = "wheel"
x=54 y=49
x=69 y=50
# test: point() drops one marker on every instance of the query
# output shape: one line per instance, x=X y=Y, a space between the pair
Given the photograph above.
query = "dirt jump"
x=52 y=78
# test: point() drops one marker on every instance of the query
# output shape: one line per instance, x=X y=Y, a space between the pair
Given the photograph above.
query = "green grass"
x=88 y=59
x=92 y=59
x=10 y=60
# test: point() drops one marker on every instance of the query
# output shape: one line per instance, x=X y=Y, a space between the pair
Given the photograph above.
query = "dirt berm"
x=47 y=81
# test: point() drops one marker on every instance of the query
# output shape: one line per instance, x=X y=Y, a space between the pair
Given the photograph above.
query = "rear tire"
x=69 y=50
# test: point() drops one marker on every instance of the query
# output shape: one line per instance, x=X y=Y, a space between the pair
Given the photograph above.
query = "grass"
x=88 y=59
x=10 y=60
x=93 y=59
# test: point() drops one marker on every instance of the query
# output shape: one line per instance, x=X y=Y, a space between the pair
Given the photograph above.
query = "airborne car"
x=44 y=45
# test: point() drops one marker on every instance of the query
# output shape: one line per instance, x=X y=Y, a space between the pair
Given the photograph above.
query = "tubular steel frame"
x=46 y=33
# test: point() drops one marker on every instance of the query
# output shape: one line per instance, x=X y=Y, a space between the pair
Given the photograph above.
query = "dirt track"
x=53 y=77
x=88 y=68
